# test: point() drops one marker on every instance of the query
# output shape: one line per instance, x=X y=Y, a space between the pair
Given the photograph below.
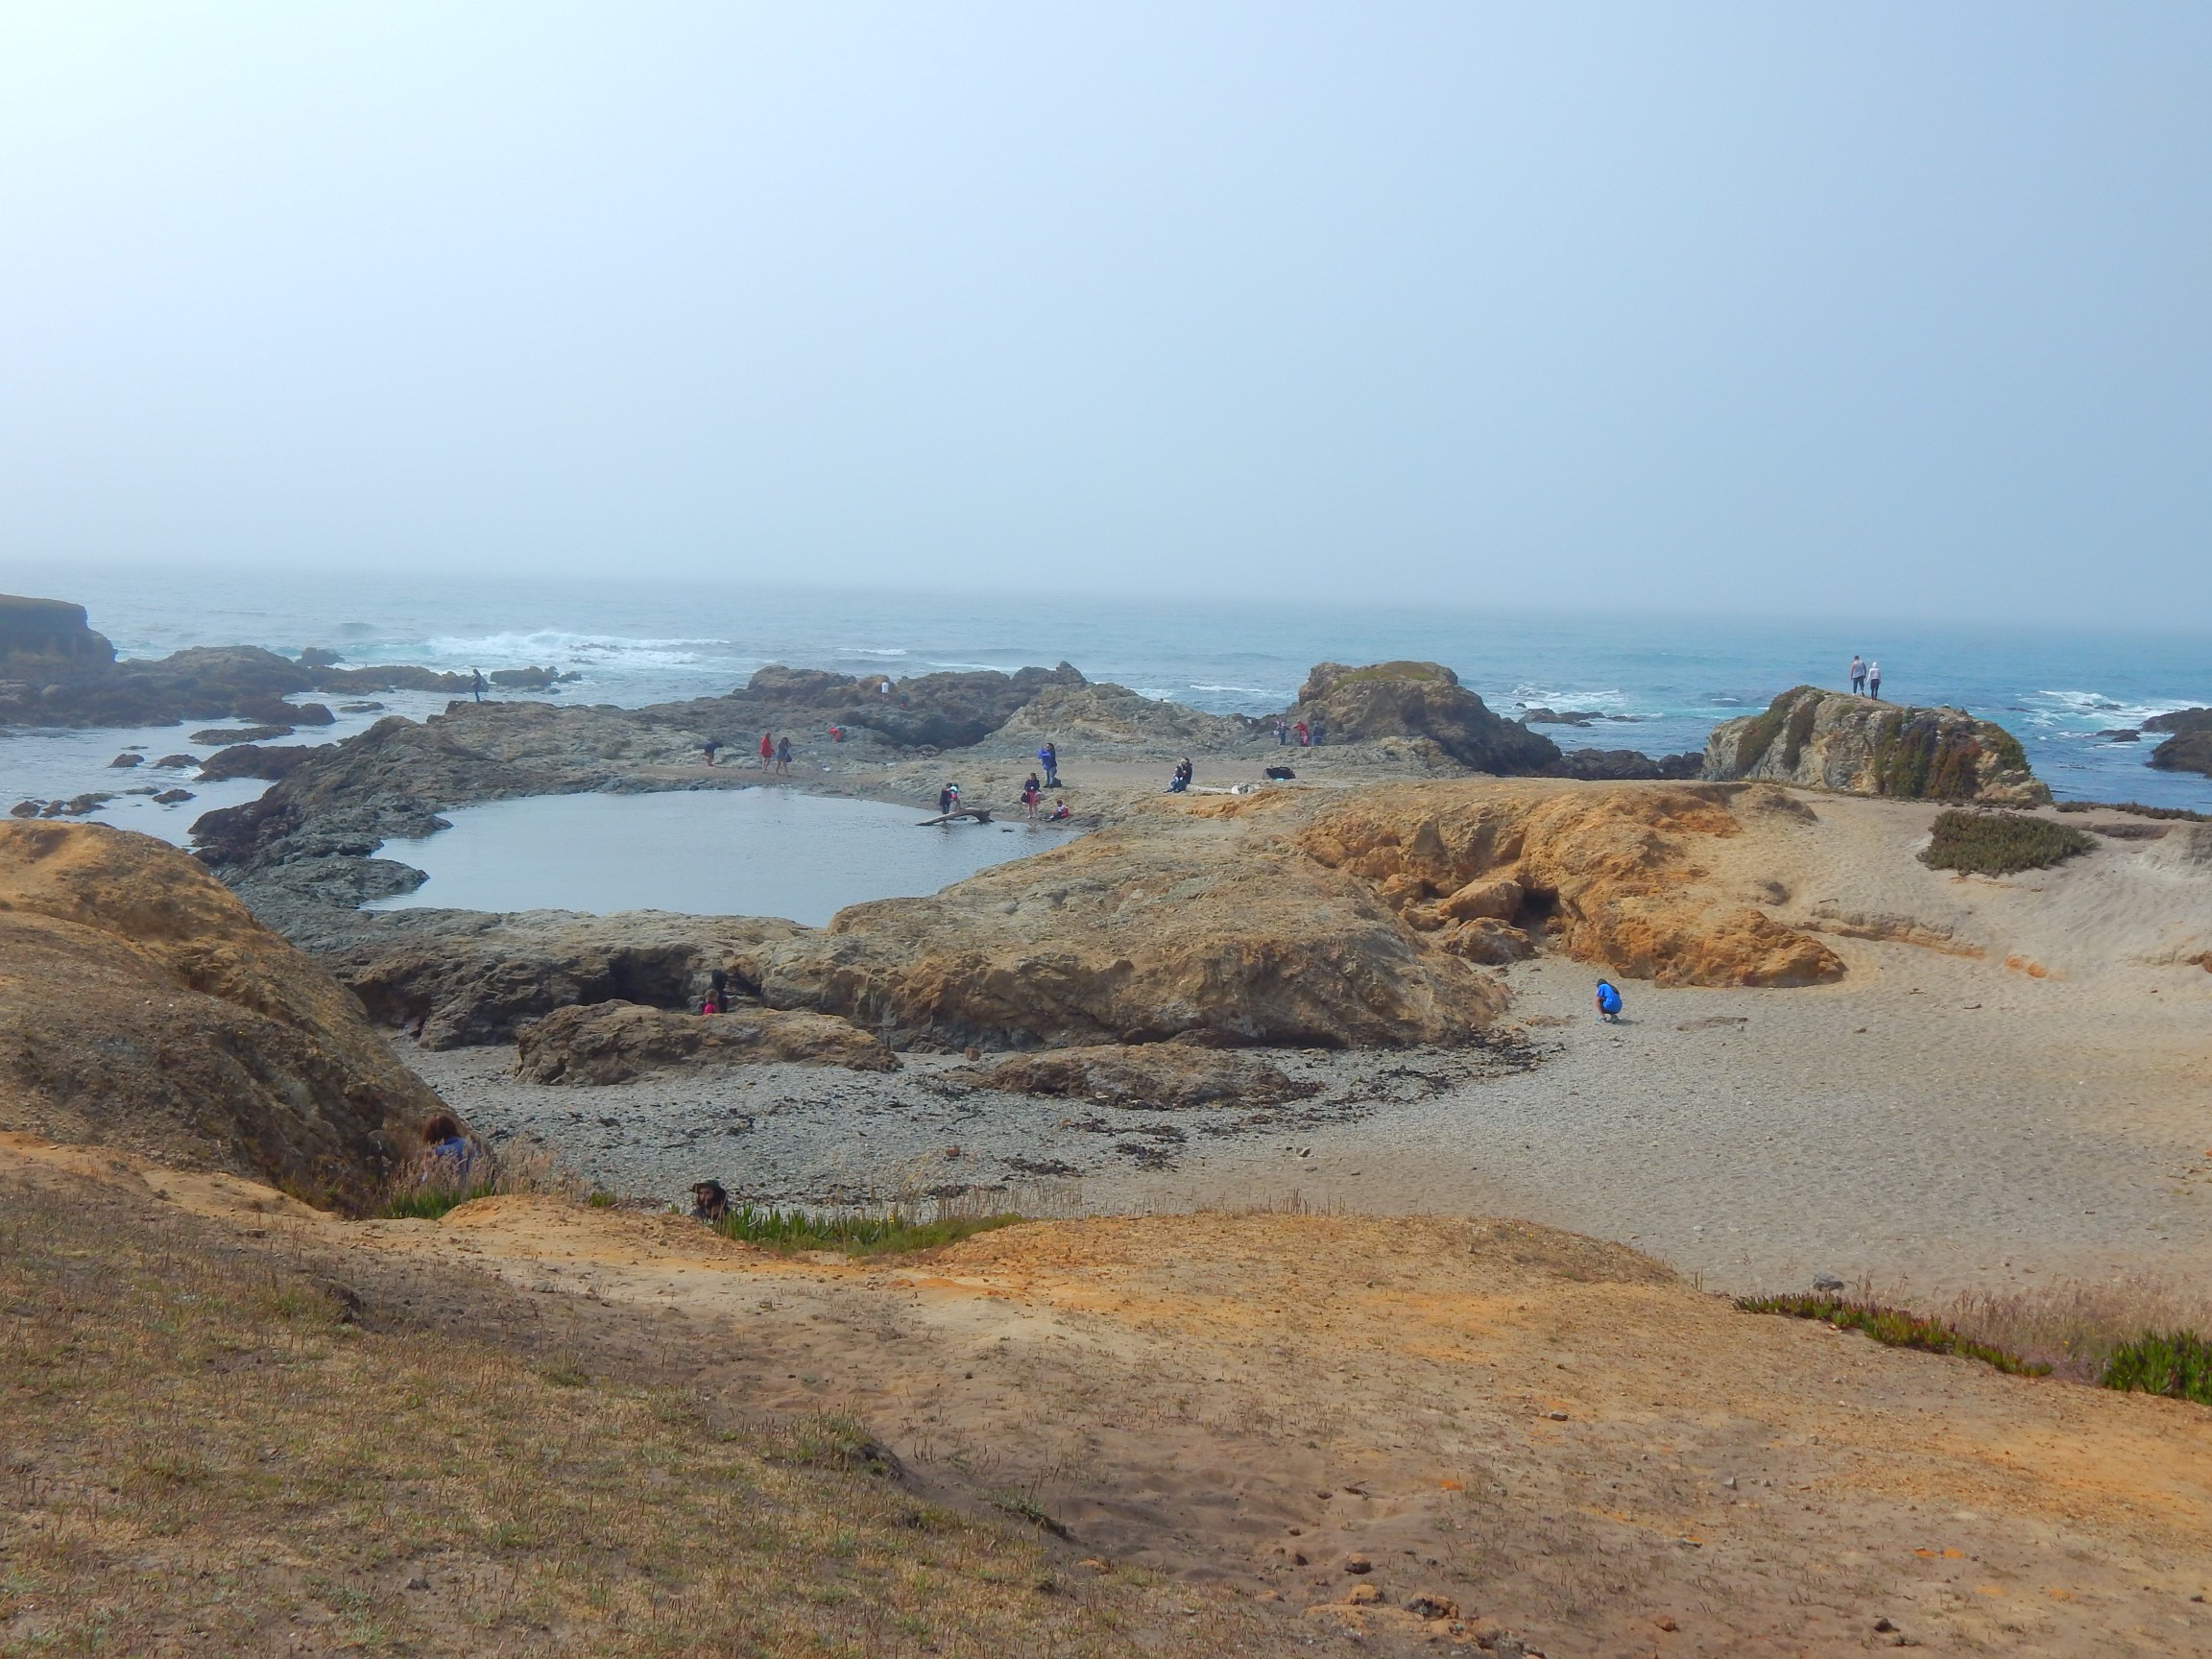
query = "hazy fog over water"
x=1873 y=310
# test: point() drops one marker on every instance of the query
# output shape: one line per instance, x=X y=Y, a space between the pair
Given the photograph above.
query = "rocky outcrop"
x=1417 y=700
x=40 y=635
x=929 y=711
x=1859 y=746
x=614 y=1042
x=1197 y=919
x=1154 y=1076
x=2190 y=747
x=141 y=1006
x=460 y=978
x=1610 y=875
x=1111 y=716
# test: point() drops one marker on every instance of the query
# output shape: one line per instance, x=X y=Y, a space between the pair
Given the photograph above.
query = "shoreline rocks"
x=1859 y=746
x=1423 y=700
x=2190 y=747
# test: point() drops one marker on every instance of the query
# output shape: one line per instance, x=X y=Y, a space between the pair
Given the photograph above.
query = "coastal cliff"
x=1860 y=746
x=142 y=1007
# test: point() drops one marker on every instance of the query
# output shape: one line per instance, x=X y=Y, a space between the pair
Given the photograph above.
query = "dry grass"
x=2074 y=1325
x=204 y=1451
x=426 y=1188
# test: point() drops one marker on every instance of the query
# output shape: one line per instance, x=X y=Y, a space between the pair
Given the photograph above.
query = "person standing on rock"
x=1858 y=675
x=1048 y=758
x=1032 y=793
x=1874 y=681
x=1608 y=1002
x=476 y=684
x=1302 y=733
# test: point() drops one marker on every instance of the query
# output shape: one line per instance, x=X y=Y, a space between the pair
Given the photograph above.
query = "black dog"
x=1280 y=774
x=709 y=1202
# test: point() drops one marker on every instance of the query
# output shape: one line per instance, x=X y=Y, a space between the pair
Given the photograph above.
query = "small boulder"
x=128 y=760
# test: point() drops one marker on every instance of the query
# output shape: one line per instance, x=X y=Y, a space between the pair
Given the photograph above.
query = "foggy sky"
x=1703 y=307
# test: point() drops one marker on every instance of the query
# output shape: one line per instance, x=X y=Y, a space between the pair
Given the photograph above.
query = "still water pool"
x=760 y=851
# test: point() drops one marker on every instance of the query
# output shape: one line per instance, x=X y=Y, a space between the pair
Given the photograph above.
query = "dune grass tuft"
x=1892 y=1328
x=887 y=1232
x=2001 y=843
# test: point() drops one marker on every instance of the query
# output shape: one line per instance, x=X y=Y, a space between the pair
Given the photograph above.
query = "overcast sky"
x=1705 y=307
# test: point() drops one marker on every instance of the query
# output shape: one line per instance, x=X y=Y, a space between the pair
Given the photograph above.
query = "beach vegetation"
x=2177 y=1364
x=1892 y=1328
x=2136 y=810
x=2001 y=843
x=884 y=1232
x=1765 y=727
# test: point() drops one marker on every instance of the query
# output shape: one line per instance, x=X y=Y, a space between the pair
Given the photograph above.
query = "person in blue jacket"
x=1608 y=1002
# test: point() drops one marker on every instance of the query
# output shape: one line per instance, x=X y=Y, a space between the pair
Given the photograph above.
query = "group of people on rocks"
x=1866 y=677
x=1300 y=733
x=775 y=751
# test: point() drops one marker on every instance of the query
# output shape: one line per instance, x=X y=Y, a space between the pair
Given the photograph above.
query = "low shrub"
x=1893 y=1328
x=860 y=1234
x=2177 y=1364
x=2136 y=809
x=2001 y=843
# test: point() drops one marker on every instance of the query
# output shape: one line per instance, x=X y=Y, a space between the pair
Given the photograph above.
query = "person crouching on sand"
x=1608 y=1002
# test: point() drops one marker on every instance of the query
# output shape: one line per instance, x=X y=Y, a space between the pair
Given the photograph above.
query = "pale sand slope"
x=1551 y=1433
x=1935 y=1119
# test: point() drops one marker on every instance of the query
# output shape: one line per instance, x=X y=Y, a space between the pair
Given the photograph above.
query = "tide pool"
x=759 y=851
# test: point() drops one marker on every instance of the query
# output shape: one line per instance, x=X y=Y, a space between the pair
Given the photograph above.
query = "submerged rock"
x=614 y=1042
x=1859 y=746
x=143 y=1007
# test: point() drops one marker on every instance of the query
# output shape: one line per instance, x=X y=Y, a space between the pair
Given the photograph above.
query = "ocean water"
x=1662 y=681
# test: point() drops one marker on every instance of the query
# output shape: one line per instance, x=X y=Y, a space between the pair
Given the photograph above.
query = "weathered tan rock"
x=141 y=1006
x=1192 y=918
x=614 y=1042
x=1171 y=1076
x=1859 y=746
x=1491 y=943
x=1608 y=871
x=1495 y=897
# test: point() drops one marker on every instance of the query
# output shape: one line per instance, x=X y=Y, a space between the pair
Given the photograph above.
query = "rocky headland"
x=2190 y=747
x=1862 y=746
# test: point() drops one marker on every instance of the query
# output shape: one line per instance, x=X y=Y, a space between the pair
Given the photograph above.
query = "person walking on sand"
x=784 y=753
x=1858 y=675
x=476 y=684
x=1874 y=681
x=1608 y=1002
x=767 y=751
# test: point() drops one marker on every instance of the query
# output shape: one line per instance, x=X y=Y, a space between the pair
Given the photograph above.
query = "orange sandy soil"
x=1558 y=1436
